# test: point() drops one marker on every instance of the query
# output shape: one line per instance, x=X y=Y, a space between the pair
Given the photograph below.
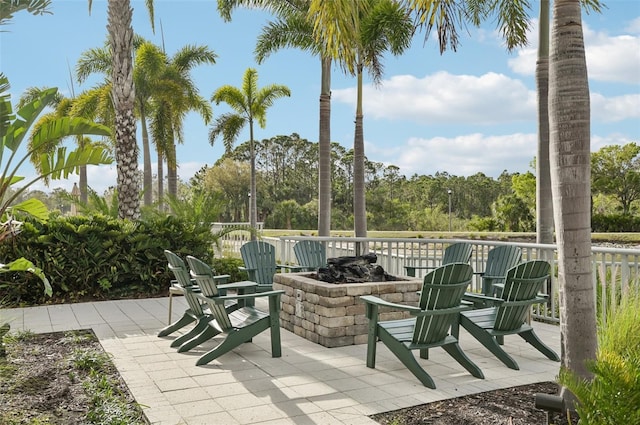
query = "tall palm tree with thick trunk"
x=249 y=104
x=544 y=208
x=123 y=97
x=378 y=27
x=294 y=29
x=570 y=158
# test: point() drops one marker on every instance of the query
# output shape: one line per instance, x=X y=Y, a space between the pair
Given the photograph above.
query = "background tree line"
x=287 y=192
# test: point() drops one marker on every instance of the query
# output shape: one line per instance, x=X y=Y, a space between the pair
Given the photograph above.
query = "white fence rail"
x=616 y=271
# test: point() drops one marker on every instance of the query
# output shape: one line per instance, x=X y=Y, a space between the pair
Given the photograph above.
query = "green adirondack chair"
x=259 y=259
x=499 y=260
x=310 y=255
x=458 y=252
x=439 y=307
x=177 y=287
x=519 y=292
x=238 y=326
x=195 y=312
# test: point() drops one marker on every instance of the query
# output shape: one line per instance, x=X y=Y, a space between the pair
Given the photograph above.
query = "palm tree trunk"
x=359 y=207
x=83 y=185
x=569 y=124
x=147 y=180
x=324 y=152
x=172 y=171
x=544 y=202
x=253 y=205
x=121 y=38
x=160 y=181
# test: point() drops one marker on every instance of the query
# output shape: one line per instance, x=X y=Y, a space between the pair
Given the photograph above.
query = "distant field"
x=625 y=238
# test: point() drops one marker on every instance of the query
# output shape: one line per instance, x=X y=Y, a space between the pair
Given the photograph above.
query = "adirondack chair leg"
x=424 y=353
x=234 y=338
x=197 y=329
x=207 y=334
x=406 y=357
x=456 y=352
x=533 y=339
x=182 y=322
x=489 y=342
x=372 y=339
x=274 y=323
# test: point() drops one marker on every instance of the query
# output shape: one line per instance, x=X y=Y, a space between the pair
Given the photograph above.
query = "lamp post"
x=449 y=192
x=249 y=208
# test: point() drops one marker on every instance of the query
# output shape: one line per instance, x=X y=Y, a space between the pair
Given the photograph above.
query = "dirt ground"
x=509 y=406
x=63 y=378
x=43 y=380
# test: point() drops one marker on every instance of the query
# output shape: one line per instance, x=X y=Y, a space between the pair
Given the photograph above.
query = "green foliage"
x=100 y=257
x=615 y=223
x=53 y=163
x=615 y=170
x=613 y=395
x=229 y=265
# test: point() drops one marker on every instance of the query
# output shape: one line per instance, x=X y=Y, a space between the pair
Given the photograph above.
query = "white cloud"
x=446 y=98
x=613 y=58
x=614 y=109
x=467 y=154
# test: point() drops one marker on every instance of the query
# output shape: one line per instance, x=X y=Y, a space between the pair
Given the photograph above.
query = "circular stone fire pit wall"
x=332 y=314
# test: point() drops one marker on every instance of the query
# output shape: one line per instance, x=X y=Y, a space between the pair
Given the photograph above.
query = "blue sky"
x=462 y=112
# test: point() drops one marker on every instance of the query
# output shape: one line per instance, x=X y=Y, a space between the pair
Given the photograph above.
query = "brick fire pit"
x=331 y=314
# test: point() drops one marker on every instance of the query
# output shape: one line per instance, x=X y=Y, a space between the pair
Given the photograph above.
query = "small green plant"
x=613 y=395
x=89 y=360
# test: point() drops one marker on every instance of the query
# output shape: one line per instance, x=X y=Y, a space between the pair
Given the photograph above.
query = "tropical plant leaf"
x=24 y=265
x=34 y=207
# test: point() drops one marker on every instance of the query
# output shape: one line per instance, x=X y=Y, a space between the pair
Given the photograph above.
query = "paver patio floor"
x=309 y=384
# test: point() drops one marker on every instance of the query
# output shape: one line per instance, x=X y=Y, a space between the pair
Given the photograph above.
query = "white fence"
x=615 y=271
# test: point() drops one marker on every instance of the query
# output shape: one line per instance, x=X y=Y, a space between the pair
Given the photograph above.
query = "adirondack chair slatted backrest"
x=310 y=254
x=179 y=268
x=260 y=257
x=192 y=301
x=522 y=283
x=443 y=288
x=459 y=252
x=204 y=277
x=499 y=260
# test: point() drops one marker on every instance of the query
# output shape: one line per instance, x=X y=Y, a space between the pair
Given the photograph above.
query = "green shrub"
x=611 y=223
x=230 y=266
x=613 y=395
x=98 y=257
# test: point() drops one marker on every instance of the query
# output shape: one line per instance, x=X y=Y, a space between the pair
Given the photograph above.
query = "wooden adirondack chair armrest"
x=440 y=311
x=370 y=299
x=472 y=296
x=238 y=285
x=537 y=300
x=293 y=268
x=221 y=279
x=246 y=269
x=223 y=298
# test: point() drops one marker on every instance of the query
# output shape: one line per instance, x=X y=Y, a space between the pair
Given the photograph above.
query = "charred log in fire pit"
x=358 y=269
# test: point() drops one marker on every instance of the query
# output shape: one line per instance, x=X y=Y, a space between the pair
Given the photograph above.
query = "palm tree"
x=378 y=26
x=544 y=209
x=569 y=129
x=122 y=94
x=9 y=7
x=294 y=29
x=249 y=104
x=176 y=95
x=63 y=107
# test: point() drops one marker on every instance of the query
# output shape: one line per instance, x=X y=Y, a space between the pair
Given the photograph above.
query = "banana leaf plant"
x=54 y=163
